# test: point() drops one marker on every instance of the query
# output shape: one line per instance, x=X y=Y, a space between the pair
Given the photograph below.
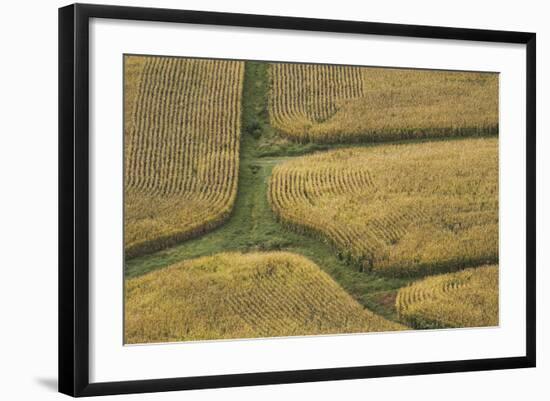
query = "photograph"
x=277 y=199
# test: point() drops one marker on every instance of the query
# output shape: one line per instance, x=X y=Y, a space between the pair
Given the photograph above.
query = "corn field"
x=414 y=217
x=327 y=103
x=182 y=132
x=398 y=210
x=234 y=295
x=468 y=298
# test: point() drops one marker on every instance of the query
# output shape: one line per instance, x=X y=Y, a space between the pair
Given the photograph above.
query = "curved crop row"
x=468 y=298
x=182 y=131
x=399 y=210
x=234 y=295
x=329 y=103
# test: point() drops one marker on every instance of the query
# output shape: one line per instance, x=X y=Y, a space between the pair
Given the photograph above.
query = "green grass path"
x=252 y=225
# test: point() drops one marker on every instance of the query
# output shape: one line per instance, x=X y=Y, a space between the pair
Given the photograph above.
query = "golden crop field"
x=327 y=103
x=468 y=298
x=182 y=132
x=234 y=295
x=398 y=210
x=345 y=199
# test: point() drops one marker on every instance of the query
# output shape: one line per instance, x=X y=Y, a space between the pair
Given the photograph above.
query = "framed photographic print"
x=250 y=199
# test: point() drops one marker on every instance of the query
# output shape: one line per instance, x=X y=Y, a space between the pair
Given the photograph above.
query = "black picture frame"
x=74 y=200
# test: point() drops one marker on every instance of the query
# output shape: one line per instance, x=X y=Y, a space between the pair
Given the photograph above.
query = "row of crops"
x=467 y=298
x=233 y=295
x=407 y=210
x=399 y=210
x=182 y=136
x=335 y=104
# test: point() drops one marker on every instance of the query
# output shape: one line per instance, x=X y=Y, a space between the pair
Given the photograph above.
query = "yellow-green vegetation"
x=182 y=132
x=468 y=298
x=399 y=210
x=361 y=223
x=235 y=295
x=327 y=103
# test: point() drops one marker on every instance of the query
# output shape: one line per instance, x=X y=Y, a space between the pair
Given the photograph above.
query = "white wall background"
x=28 y=201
